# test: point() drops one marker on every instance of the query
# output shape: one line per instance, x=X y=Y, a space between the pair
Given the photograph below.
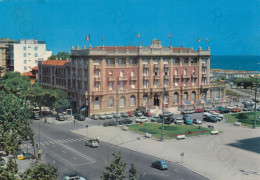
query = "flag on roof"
x=138 y=35
x=88 y=37
x=170 y=35
x=198 y=40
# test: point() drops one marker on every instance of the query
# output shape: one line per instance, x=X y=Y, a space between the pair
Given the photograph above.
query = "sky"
x=232 y=26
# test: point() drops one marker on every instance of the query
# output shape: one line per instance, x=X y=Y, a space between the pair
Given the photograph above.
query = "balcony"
x=97 y=79
x=186 y=76
x=146 y=65
x=195 y=75
x=156 y=77
x=166 y=77
x=145 y=77
x=156 y=66
x=166 y=65
x=177 y=76
x=122 y=78
x=204 y=75
x=111 y=78
x=133 y=78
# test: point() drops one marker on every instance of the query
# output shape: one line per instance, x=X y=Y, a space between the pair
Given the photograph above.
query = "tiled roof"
x=35 y=68
x=55 y=62
x=28 y=74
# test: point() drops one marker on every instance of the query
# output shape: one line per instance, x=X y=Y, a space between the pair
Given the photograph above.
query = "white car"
x=74 y=177
x=141 y=119
x=92 y=143
x=178 y=120
x=197 y=121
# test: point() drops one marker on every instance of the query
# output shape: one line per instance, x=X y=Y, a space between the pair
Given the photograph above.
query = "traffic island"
x=245 y=119
x=171 y=131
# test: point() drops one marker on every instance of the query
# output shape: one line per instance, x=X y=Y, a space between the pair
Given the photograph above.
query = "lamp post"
x=254 y=126
x=162 y=137
x=116 y=106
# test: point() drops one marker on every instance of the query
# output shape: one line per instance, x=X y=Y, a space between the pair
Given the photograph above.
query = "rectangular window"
x=145 y=84
x=25 y=61
x=97 y=86
x=24 y=48
x=185 y=82
x=24 y=55
x=36 y=62
x=133 y=84
x=36 y=55
x=25 y=68
x=121 y=85
x=193 y=81
x=166 y=82
x=96 y=73
x=110 y=85
x=176 y=82
x=155 y=84
x=35 y=48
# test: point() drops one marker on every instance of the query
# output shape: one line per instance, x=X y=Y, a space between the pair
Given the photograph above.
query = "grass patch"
x=247 y=119
x=231 y=93
x=170 y=131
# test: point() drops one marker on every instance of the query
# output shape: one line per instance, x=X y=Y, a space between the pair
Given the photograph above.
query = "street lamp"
x=255 y=84
x=162 y=137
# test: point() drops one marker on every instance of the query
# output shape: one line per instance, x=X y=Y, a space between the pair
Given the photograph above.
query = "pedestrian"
x=97 y=139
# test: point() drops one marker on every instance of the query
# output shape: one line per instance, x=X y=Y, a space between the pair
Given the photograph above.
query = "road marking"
x=63 y=141
x=42 y=143
x=46 y=143
x=59 y=141
x=69 y=140
x=51 y=142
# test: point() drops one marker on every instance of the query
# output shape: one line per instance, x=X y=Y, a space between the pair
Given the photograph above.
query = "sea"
x=245 y=63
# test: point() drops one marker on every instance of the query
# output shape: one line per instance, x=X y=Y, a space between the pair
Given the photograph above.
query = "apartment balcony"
x=133 y=78
x=186 y=76
x=146 y=77
x=166 y=65
x=177 y=76
x=97 y=79
x=156 y=77
x=195 y=75
x=97 y=67
x=111 y=78
x=166 y=77
x=204 y=75
x=146 y=65
x=156 y=66
x=122 y=78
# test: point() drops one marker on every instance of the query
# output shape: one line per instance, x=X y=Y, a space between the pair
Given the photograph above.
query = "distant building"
x=33 y=74
x=99 y=78
x=27 y=52
x=6 y=54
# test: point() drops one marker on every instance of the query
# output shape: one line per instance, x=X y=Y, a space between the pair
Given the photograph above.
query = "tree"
x=133 y=172
x=6 y=175
x=60 y=55
x=40 y=171
x=12 y=166
x=116 y=170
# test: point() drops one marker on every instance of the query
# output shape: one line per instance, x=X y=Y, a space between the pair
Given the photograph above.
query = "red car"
x=130 y=113
x=235 y=110
x=148 y=114
x=199 y=110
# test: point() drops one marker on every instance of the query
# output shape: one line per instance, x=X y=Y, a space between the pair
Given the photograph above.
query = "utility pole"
x=254 y=126
x=116 y=106
x=162 y=137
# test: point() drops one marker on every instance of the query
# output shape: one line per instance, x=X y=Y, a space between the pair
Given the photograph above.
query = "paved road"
x=66 y=151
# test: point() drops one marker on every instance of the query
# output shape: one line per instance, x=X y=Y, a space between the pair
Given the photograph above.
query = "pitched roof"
x=55 y=62
x=35 y=68
x=28 y=74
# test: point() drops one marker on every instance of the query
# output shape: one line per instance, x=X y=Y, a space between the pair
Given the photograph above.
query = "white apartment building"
x=27 y=52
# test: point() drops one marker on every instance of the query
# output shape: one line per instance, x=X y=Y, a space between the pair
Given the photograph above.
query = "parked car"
x=179 y=120
x=209 y=109
x=116 y=115
x=235 y=110
x=109 y=116
x=197 y=121
x=155 y=118
x=92 y=143
x=102 y=116
x=130 y=113
x=73 y=177
x=79 y=117
x=210 y=119
x=187 y=120
x=160 y=164
x=247 y=109
x=166 y=114
x=258 y=109
x=138 y=113
x=61 y=117
x=199 y=110
x=109 y=123
x=141 y=119
x=95 y=116
x=35 y=116
x=148 y=114
x=123 y=114
x=125 y=121
x=223 y=110
x=231 y=107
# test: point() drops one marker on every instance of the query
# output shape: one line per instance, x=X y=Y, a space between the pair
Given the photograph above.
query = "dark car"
x=35 y=116
x=125 y=121
x=109 y=123
x=138 y=113
x=167 y=120
x=60 y=117
x=79 y=117
x=160 y=164
x=210 y=119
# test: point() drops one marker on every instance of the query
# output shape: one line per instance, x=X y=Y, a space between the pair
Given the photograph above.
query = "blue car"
x=187 y=120
x=160 y=164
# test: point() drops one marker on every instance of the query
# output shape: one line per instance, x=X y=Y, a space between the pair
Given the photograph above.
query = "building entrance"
x=156 y=100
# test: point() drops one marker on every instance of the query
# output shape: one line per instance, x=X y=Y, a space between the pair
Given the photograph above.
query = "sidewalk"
x=216 y=157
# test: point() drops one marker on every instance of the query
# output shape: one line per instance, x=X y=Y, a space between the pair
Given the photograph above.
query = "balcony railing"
x=186 y=76
x=177 y=76
x=146 y=65
x=122 y=78
x=204 y=75
x=166 y=65
x=97 y=79
x=97 y=67
x=111 y=78
x=195 y=75
x=166 y=77
x=156 y=77
x=133 y=78
x=146 y=77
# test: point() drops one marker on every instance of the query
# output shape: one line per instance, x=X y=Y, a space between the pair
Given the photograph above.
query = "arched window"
x=122 y=101
x=132 y=73
x=97 y=103
x=193 y=96
x=110 y=103
x=121 y=73
x=185 y=97
x=145 y=99
x=132 y=100
x=176 y=97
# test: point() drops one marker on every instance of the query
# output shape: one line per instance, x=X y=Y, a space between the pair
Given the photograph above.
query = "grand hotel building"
x=101 y=77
